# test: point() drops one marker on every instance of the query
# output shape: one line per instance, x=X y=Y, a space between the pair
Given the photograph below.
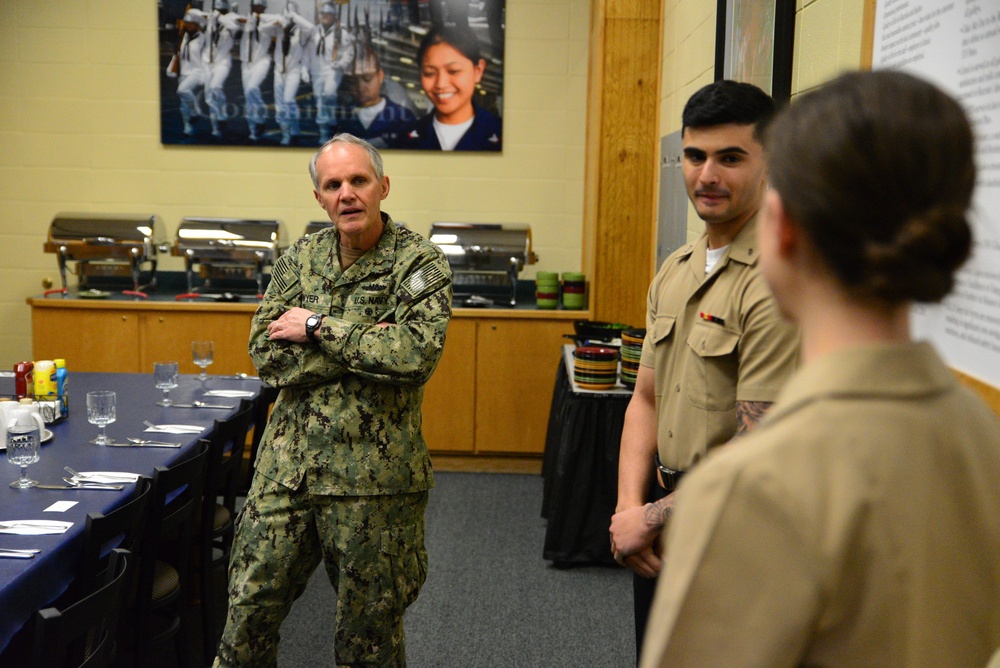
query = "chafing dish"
x=485 y=257
x=228 y=249
x=106 y=246
x=314 y=226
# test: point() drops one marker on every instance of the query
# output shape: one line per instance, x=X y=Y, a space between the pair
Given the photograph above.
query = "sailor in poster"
x=187 y=64
x=331 y=52
x=289 y=63
x=218 y=57
x=256 y=45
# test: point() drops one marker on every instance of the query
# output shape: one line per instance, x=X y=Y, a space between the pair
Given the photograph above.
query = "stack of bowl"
x=547 y=289
x=595 y=367
x=574 y=291
x=631 y=352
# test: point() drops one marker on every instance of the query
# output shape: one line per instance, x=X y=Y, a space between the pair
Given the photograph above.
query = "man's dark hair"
x=725 y=102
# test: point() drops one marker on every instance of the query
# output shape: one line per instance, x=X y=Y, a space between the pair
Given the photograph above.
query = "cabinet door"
x=88 y=339
x=516 y=364
x=168 y=336
x=449 y=397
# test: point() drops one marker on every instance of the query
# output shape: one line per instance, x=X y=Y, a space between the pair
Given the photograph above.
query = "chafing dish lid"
x=463 y=241
x=105 y=229
x=234 y=233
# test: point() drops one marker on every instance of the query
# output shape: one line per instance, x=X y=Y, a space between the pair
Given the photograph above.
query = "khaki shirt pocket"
x=713 y=367
x=662 y=326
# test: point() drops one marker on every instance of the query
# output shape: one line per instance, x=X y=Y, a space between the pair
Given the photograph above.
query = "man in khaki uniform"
x=858 y=524
x=351 y=327
x=716 y=350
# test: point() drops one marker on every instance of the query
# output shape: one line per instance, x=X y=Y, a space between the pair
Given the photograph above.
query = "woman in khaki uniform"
x=859 y=523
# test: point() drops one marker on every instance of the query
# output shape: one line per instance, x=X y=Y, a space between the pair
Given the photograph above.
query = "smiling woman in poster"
x=451 y=68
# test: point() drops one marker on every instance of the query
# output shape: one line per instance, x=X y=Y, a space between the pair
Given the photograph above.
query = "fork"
x=140 y=441
x=125 y=477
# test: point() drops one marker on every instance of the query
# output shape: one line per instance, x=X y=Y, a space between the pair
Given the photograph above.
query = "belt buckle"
x=671 y=478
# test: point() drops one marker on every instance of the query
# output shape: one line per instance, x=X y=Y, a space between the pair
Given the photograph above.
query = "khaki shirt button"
x=677 y=389
x=670 y=434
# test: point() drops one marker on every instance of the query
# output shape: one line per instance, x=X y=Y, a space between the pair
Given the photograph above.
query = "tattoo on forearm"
x=748 y=413
x=658 y=512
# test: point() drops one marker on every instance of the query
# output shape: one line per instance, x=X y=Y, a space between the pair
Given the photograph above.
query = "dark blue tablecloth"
x=27 y=585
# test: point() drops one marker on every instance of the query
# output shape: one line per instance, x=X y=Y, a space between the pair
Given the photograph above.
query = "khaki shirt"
x=347 y=419
x=702 y=367
x=857 y=525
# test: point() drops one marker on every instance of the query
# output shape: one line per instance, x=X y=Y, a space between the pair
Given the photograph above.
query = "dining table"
x=28 y=585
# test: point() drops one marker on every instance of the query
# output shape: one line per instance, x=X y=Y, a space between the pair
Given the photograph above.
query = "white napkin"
x=106 y=477
x=229 y=393
x=176 y=429
x=34 y=527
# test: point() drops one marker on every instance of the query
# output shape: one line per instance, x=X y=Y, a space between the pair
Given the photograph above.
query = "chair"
x=261 y=413
x=215 y=527
x=121 y=528
x=164 y=556
x=83 y=634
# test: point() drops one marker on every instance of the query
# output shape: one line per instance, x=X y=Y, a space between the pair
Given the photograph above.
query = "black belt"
x=669 y=478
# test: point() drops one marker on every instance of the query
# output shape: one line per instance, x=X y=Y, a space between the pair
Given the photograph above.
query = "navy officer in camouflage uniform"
x=351 y=327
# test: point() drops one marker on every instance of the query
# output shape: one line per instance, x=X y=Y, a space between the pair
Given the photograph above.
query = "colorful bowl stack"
x=574 y=291
x=631 y=352
x=547 y=289
x=595 y=367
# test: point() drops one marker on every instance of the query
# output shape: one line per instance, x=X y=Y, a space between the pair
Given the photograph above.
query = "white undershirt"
x=368 y=114
x=449 y=135
x=712 y=258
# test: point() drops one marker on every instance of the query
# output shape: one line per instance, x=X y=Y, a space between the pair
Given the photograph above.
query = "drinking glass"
x=202 y=353
x=101 y=410
x=165 y=377
x=23 y=440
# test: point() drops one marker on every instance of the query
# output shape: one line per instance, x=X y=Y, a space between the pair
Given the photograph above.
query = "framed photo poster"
x=753 y=44
x=406 y=74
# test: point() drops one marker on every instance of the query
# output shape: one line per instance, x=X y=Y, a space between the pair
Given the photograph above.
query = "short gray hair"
x=347 y=138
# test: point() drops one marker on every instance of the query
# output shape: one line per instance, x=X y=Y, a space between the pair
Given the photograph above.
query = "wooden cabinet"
x=130 y=336
x=168 y=336
x=493 y=388
x=489 y=396
x=450 y=395
x=89 y=339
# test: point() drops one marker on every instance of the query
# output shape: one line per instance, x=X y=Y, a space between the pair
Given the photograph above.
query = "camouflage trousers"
x=373 y=549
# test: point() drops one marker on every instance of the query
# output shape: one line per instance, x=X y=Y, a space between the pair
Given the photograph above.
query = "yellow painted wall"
x=827 y=41
x=79 y=131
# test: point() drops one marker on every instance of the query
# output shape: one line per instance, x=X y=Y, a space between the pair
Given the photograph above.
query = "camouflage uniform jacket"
x=347 y=419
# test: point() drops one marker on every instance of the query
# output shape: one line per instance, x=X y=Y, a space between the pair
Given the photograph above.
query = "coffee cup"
x=9 y=410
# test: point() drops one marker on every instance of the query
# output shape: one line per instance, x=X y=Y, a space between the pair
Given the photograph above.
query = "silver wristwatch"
x=312 y=324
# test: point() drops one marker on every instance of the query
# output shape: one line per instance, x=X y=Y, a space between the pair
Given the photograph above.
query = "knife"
x=200 y=405
x=4 y=554
x=142 y=445
x=116 y=488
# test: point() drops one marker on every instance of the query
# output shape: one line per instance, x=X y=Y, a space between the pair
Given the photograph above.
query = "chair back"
x=121 y=528
x=82 y=635
x=261 y=413
x=225 y=458
x=168 y=535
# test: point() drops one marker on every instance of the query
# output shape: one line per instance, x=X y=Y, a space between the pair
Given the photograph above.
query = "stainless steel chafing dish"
x=230 y=249
x=106 y=246
x=314 y=226
x=485 y=257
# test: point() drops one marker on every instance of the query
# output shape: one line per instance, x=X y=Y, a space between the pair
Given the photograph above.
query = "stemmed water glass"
x=202 y=353
x=23 y=440
x=165 y=377
x=101 y=411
